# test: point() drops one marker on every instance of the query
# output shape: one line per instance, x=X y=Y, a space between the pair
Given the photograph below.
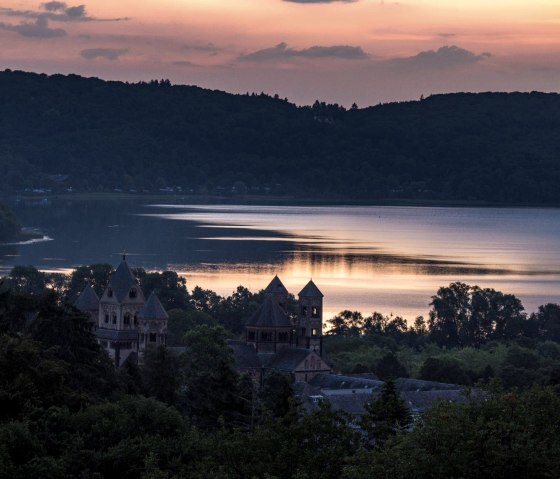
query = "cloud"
x=39 y=29
x=282 y=52
x=54 y=6
x=184 y=63
x=105 y=53
x=209 y=48
x=444 y=57
x=321 y=1
x=57 y=12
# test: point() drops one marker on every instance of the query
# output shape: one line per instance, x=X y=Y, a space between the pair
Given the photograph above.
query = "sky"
x=338 y=51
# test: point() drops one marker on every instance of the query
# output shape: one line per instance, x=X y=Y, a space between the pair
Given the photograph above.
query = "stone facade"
x=127 y=324
x=276 y=342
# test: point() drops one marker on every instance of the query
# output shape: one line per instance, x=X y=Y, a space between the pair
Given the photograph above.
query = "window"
x=110 y=293
x=304 y=310
x=302 y=332
x=266 y=336
x=135 y=320
x=315 y=312
x=132 y=293
x=312 y=363
x=106 y=318
x=127 y=319
x=283 y=337
x=307 y=364
x=251 y=335
x=153 y=337
x=314 y=332
x=114 y=318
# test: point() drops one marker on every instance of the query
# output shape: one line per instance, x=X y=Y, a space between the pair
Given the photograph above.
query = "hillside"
x=61 y=131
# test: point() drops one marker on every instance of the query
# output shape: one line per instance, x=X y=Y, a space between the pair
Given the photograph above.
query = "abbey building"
x=125 y=323
x=274 y=340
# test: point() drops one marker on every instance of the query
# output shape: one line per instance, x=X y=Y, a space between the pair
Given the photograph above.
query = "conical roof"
x=153 y=309
x=276 y=286
x=269 y=315
x=122 y=280
x=311 y=291
x=87 y=300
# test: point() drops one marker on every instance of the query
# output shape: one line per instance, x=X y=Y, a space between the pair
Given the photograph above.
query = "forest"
x=67 y=133
x=65 y=411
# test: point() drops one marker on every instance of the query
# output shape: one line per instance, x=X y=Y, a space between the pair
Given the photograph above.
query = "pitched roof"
x=153 y=309
x=287 y=359
x=338 y=381
x=87 y=300
x=276 y=286
x=117 y=335
x=245 y=355
x=269 y=315
x=122 y=279
x=310 y=290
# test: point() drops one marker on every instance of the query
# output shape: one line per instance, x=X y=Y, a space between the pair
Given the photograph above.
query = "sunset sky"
x=363 y=51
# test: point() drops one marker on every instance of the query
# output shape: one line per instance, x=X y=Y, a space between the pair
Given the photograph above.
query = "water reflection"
x=390 y=259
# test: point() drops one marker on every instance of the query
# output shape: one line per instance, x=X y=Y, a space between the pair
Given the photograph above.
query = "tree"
x=170 y=288
x=27 y=280
x=276 y=394
x=346 y=323
x=464 y=315
x=547 y=319
x=181 y=321
x=97 y=275
x=444 y=371
x=161 y=374
x=389 y=367
x=210 y=377
x=385 y=415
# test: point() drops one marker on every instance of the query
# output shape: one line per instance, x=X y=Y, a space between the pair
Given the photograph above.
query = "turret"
x=278 y=291
x=310 y=318
x=152 y=324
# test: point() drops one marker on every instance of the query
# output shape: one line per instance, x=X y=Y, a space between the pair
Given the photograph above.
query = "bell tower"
x=310 y=319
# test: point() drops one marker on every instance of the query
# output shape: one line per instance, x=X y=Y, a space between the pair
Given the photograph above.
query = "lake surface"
x=369 y=258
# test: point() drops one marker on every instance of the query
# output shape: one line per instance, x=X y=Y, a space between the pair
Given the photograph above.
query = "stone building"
x=127 y=324
x=276 y=342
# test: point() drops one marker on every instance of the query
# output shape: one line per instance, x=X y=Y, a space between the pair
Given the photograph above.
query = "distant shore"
x=270 y=200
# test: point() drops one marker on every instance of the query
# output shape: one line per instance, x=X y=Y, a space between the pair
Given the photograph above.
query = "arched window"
x=114 y=318
x=135 y=320
x=127 y=319
x=132 y=293
x=110 y=292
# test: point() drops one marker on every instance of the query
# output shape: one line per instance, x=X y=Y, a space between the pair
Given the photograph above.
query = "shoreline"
x=271 y=200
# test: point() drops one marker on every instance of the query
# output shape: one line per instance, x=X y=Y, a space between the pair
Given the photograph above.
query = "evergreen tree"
x=385 y=416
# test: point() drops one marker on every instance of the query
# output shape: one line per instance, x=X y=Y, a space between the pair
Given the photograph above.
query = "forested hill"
x=61 y=131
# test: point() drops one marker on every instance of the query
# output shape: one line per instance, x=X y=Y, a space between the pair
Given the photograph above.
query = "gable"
x=312 y=362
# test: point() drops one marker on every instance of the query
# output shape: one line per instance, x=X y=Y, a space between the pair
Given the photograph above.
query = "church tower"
x=119 y=308
x=278 y=291
x=310 y=319
x=152 y=324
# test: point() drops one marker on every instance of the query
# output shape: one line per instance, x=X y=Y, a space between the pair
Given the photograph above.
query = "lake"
x=390 y=259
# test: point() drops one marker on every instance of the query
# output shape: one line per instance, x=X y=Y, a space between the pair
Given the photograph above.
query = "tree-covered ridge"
x=62 y=131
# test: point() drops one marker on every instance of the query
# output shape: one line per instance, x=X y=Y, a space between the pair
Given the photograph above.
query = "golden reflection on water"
x=386 y=259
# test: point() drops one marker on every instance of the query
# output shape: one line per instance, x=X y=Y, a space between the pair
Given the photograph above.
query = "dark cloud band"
x=282 y=52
